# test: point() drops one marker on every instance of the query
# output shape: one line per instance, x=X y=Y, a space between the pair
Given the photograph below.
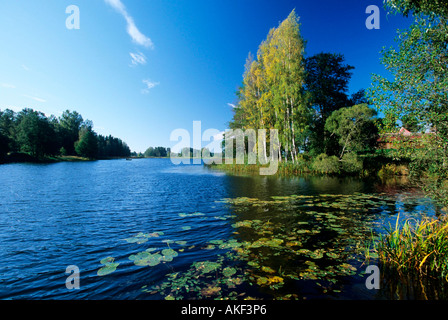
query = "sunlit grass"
x=416 y=246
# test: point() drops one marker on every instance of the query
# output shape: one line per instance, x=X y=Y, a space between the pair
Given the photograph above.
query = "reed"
x=284 y=168
x=416 y=246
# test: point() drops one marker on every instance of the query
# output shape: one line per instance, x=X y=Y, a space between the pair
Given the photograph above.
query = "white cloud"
x=35 y=98
x=7 y=86
x=137 y=58
x=219 y=136
x=232 y=105
x=131 y=28
x=149 y=85
x=24 y=67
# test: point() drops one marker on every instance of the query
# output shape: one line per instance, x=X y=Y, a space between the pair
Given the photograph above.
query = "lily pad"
x=107 y=269
x=107 y=260
x=169 y=253
x=183 y=215
x=210 y=291
x=138 y=240
x=109 y=266
x=155 y=234
x=332 y=255
x=262 y=280
x=143 y=237
x=228 y=271
x=245 y=223
x=151 y=260
x=206 y=266
x=267 y=269
x=140 y=256
x=253 y=263
x=317 y=254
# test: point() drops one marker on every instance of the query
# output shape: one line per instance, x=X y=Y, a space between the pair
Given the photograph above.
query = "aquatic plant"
x=109 y=266
x=277 y=242
x=416 y=246
x=194 y=214
x=143 y=237
x=168 y=254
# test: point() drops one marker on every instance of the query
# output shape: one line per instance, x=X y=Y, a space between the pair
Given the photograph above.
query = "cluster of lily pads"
x=203 y=280
x=276 y=244
x=149 y=257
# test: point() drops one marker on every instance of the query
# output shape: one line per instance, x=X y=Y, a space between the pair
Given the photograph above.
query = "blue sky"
x=140 y=69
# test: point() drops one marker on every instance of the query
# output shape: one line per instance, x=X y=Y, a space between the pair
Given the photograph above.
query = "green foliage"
x=156 y=152
x=283 y=90
x=272 y=95
x=41 y=136
x=8 y=126
x=351 y=163
x=4 y=145
x=354 y=127
x=326 y=164
x=87 y=145
x=418 y=7
x=109 y=147
x=327 y=82
x=34 y=133
x=420 y=247
x=109 y=266
x=417 y=94
x=68 y=128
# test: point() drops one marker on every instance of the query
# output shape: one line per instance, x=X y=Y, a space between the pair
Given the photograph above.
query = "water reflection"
x=60 y=214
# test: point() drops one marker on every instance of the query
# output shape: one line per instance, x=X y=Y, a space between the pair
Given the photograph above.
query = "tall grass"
x=416 y=246
x=302 y=166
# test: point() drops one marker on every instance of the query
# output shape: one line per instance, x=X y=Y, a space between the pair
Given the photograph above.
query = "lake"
x=148 y=229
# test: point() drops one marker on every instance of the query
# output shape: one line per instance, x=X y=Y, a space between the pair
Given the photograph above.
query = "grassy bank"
x=416 y=247
x=353 y=165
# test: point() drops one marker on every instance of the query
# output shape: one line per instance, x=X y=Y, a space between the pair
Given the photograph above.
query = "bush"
x=326 y=164
x=63 y=151
x=351 y=163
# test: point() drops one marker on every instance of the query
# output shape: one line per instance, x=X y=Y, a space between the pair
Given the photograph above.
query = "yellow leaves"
x=269 y=280
x=424 y=259
x=210 y=291
x=267 y=269
x=293 y=243
x=275 y=279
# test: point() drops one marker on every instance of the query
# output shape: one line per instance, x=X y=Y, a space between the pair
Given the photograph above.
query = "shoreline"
x=20 y=157
x=372 y=169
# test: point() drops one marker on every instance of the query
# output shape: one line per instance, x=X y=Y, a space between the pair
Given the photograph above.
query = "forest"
x=33 y=133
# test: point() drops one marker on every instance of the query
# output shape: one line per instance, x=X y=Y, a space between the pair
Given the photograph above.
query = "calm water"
x=56 y=215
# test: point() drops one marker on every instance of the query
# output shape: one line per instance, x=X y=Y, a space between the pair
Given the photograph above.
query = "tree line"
x=305 y=98
x=32 y=132
x=162 y=152
x=158 y=152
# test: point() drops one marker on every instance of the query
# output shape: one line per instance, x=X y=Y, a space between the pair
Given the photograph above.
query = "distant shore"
x=22 y=157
